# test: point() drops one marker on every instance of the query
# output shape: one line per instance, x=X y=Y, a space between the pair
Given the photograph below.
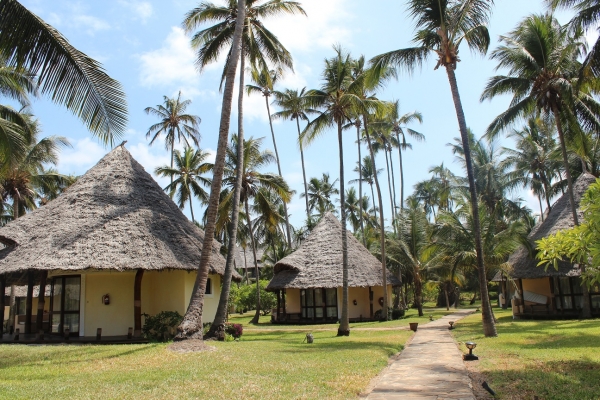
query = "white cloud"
x=172 y=64
x=53 y=19
x=89 y=23
x=325 y=25
x=84 y=154
x=142 y=10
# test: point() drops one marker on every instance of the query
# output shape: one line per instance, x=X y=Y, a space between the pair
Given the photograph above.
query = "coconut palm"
x=67 y=75
x=354 y=209
x=186 y=177
x=319 y=196
x=443 y=25
x=543 y=75
x=337 y=98
x=191 y=326
x=175 y=125
x=252 y=181
x=366 y=174
x=264 y=81
x=293 y=106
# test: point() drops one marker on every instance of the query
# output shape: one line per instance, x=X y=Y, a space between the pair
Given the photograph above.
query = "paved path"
x=429 y=368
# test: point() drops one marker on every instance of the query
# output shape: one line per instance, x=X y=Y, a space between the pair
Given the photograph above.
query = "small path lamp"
x=451 y=323
x=470 y=356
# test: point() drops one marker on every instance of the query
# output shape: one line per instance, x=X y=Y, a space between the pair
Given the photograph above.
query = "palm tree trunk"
x=246 y=266
x=2 y=305
x=191 y=326
x=418 y=291
x=15 y=208
x=287 y=218
x=563 y=149
x=172 y=152
x=393 y=184
x=541 y=207
x=489 y=327
x=360 y=193
x=303 y=170
x=252 y=243
x=387 y=166
x=373 y=197
x=384 y=309
x=192 y=209
x=446 y=295
x=221 y=314
x=344 y=328
x=401 y=173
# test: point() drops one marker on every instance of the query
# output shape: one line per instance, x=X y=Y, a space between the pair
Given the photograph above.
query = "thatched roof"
x=242 y=261
x=317 y=263
x=524 y=264
x=21 y=291
x=115 y=217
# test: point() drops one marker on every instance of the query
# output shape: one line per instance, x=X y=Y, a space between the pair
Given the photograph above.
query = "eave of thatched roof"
x=115 y=217
x=523 y=263
x=317 y=263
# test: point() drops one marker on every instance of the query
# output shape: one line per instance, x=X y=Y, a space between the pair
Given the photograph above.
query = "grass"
x=550 y=359
x=264 y=364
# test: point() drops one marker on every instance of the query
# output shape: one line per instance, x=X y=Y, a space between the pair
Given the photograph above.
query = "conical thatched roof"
x=523 y=264
x=317 y=263
x=114 y=217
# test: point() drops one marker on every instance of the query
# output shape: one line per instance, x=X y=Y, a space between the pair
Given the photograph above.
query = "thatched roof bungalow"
x=540 y=291
x=308 y=282
x=113 y=240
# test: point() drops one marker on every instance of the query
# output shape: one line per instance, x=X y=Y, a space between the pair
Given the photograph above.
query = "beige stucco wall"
x=539 y=286
x=361 y=295
x=161 y=291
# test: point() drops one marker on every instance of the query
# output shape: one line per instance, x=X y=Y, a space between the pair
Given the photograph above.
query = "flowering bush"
x=235 y=330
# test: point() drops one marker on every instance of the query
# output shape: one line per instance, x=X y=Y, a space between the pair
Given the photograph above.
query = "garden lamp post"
x=470 y=356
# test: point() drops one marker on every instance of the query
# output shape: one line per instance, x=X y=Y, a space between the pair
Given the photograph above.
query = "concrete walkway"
x=429 y=368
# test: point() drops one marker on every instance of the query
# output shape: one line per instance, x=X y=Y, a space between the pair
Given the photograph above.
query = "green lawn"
x=549 y=359
x=264 y=364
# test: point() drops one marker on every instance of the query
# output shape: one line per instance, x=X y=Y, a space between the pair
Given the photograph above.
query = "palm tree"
x=257 y=44
x=337 y=98
x=174 y=124
x=252 y=181
x=191 y=326
x=533 y=159
x=319 y=194
x=354 y=209
x=67 y=75
x=586 y=17
x=542 y=59
x=188 y=171
x=366 y=173
x=293 y=106
x=443 y=25
x=264 y=81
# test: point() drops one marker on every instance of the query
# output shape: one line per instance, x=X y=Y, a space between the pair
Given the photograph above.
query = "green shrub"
x=162 y=326
x=244 y=297
x=397 y=313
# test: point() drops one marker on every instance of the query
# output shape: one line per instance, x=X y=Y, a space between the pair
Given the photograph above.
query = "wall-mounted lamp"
x=354 y=302
x=106 y=299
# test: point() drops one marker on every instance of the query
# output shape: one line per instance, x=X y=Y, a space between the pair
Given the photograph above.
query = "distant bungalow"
x=112 y=247
x=308 y=282
x=540 y=292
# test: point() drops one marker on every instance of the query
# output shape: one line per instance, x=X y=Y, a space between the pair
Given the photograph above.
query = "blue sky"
x=141 y=44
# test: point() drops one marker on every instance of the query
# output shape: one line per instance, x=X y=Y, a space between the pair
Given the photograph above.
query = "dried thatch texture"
x=524 y=264
x=317 y=263
x=21 y=291
x=242 y=261
x=114 y=217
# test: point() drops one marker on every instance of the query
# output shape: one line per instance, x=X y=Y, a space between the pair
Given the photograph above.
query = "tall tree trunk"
x=12 y=308
x=446 y=295
x=387 y=167
x=221 y=314
x=246 y=266
x=253 y=244
x=344 y=328
x=384 y=309
x=137 y=303
x=418 y=291
x=287 y=218
x=2 y=305
x=191 y=326
x=489 y=326
x=29 y=301
x=191 y=208
x=303 y=169
x=373 y=197
x=563 y=149
x=393 y=185
x=360 y=192
x=401 y=172
x=541 y=208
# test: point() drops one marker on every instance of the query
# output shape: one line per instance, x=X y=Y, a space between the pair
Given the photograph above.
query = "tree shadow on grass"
x=552 y=380
x=73 y=355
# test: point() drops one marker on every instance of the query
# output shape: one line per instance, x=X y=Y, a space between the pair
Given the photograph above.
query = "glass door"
x=64 y=304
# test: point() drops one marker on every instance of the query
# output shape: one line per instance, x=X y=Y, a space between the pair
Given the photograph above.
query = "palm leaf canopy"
x=67 y=75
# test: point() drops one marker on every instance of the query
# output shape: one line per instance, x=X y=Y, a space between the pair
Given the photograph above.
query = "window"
x=319 y=303
x=20 y=304
x=208 y=286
